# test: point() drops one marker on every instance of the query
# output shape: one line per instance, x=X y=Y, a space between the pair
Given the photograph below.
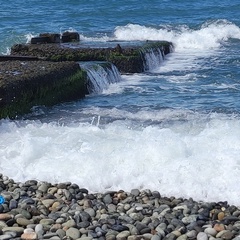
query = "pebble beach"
x=153 y=155
x=42 y=210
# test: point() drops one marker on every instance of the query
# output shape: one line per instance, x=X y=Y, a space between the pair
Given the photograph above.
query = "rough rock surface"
x=128 y=59
x=24 y=84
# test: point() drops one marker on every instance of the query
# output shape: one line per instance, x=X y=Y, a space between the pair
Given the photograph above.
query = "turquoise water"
x=174 y=129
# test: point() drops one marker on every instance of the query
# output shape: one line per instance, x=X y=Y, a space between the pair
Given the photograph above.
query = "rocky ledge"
x=49 y=73
x=127 y=58
x=27 y=83
x=41 y=210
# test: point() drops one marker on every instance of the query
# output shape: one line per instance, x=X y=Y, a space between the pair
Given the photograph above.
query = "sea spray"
x=209 y=36
x=182 y=158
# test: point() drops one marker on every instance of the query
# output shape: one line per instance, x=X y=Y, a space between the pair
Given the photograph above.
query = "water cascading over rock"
x=153 y=55
x=152 y=59
x=100 y=75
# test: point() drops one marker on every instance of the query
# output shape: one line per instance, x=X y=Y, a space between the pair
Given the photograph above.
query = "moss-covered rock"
x=127 y=59
x=24 y=84
x=47 y=74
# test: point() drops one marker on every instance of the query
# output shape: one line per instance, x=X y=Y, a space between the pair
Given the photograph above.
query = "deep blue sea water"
x=175 y=129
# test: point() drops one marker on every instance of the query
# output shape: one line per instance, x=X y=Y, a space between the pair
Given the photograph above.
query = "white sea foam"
x=128 y=81
x=190 y=159
x=209 y=36
x=191 y=46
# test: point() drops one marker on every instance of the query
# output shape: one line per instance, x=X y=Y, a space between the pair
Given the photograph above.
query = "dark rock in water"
x=46 y=38
x=70 y=37
x=38 y=40
x=128 y=59
x=53 y=37
x=25 y=84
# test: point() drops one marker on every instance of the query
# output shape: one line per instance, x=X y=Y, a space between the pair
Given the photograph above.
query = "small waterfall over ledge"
x=103 y=73
x=100 y=75
x=153 y=56
x=152 y=59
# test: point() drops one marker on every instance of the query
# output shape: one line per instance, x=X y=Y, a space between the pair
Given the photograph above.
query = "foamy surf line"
x=183 y=160
x=210 y=35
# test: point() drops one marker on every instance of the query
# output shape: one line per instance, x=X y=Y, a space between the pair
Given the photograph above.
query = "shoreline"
x=42 y=210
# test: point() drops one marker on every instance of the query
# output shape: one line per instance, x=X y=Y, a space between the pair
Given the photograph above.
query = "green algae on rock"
x=48 y=74
x=24 y=84
x=128 y=58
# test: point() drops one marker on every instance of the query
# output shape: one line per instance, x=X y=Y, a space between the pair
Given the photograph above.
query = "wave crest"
x=210 y=35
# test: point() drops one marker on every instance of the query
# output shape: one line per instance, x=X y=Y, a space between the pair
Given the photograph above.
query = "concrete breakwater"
x=48 y=72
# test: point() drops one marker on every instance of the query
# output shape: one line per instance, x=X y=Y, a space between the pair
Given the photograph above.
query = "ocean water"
x=174 y=128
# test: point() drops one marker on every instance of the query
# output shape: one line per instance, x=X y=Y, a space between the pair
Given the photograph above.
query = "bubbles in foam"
x=194 y=158
x=209 y=36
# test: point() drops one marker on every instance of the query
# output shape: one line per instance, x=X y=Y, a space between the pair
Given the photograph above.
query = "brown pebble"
x=227 y=235
x=219 y=227
x=29 y=236
x=121 y=195
x=5 y=216
x=48 y=202
x=55 y=206
x=220 y=216
x=55 y=227
x=65 y=228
